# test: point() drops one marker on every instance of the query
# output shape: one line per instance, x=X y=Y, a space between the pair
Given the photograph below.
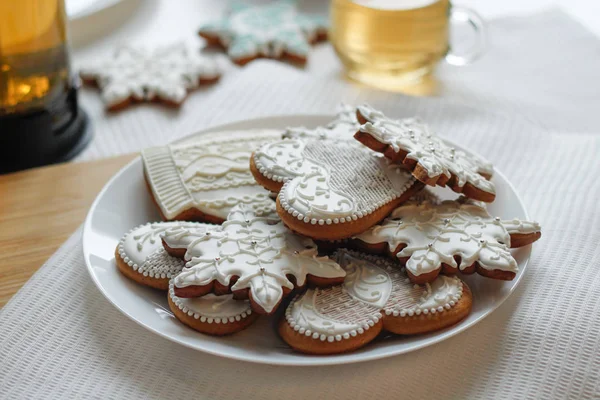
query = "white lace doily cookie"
x=273 y=30
x=254 y=257
x=376 y=295
x=330 y=189
x=431 y=160
x=140 y=254
x=449 y=237
x=205 y=179
x=165 y=74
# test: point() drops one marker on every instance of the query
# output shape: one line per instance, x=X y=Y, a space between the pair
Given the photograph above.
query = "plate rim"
x=315 y=361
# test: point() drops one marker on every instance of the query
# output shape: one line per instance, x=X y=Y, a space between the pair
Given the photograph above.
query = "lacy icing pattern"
x=329 y=181
x=212 y=176
x=260 y=251
x=436 y=233
x=373 y=287
x=430 y=151
x=166 y=72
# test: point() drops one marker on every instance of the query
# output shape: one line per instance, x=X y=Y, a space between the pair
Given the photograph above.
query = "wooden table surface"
x=39 y=209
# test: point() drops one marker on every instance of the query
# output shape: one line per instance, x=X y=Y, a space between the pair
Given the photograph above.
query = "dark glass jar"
x=40 y=121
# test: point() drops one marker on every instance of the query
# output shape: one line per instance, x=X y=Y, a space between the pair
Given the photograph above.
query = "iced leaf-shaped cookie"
x=252 y=257
x=164 y=74
x=274 y=30
x=450 y=236
x=330 y=189
x=204 y=179
x=431 y=160
x=376 y=295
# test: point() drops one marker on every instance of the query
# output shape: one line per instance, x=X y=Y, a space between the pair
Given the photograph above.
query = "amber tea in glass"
x=391 y=43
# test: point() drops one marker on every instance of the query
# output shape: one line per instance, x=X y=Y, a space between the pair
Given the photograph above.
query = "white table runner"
x=59 y=338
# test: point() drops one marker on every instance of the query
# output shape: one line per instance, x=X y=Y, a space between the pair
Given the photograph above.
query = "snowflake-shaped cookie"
x=376 y=295
x=273 y=30
x=431 y=160
x=203 y=180
x=332 y=183
x=448 y=236
x=253 y=257
x=165 y=74
x=343 y=127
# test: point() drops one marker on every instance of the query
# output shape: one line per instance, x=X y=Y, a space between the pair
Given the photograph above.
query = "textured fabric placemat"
x=545 y=65
x=59 y=338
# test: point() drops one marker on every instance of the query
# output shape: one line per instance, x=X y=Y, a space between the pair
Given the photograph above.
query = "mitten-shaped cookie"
x=376 y=295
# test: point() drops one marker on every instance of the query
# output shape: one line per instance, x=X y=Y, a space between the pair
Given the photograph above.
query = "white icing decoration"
x=269 y=30
x=343 y=127
x=212 y=309
x=167 y=73
x=212 y=176
x=141 y=248
x=430 y=151
x=435 y=233
x=373 y=286
x=330 y=181
x=260 y=251
x=522 y=227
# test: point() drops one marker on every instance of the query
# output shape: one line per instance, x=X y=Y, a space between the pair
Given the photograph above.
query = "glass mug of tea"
x=390 y=44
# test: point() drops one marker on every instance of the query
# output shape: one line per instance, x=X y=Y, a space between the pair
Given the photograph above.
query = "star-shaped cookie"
x=272 y=30
x=431 y=160
x=252 y=257
x=450 y=236
x=165 y=74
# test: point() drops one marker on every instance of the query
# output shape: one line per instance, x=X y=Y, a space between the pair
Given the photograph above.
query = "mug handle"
x=466 y=15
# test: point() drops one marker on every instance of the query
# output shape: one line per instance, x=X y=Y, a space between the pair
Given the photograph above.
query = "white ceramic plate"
x=125 y=203
x=82 y=8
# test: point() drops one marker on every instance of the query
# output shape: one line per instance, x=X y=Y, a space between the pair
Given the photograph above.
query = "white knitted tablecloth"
x=59 y=338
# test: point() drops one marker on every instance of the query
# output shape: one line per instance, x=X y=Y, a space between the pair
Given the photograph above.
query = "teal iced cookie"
x=274 y=30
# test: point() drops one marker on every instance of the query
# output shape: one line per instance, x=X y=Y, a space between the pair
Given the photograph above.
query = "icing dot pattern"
x=141 y=249
x=212 y=309
x=329 y=181
x=436 y=233
x=261 y=251
x=430 y=151
x=373 y=289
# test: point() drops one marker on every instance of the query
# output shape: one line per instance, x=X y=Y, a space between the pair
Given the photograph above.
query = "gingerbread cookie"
x=343 y=127
x=210 y=314
x=274 y=30
x=252 y=257
x=451 y=236
x=376 y=295
x=140 y=255
x=330 y=189
x=165 y=75
x=203 y=180
x=431 y=160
